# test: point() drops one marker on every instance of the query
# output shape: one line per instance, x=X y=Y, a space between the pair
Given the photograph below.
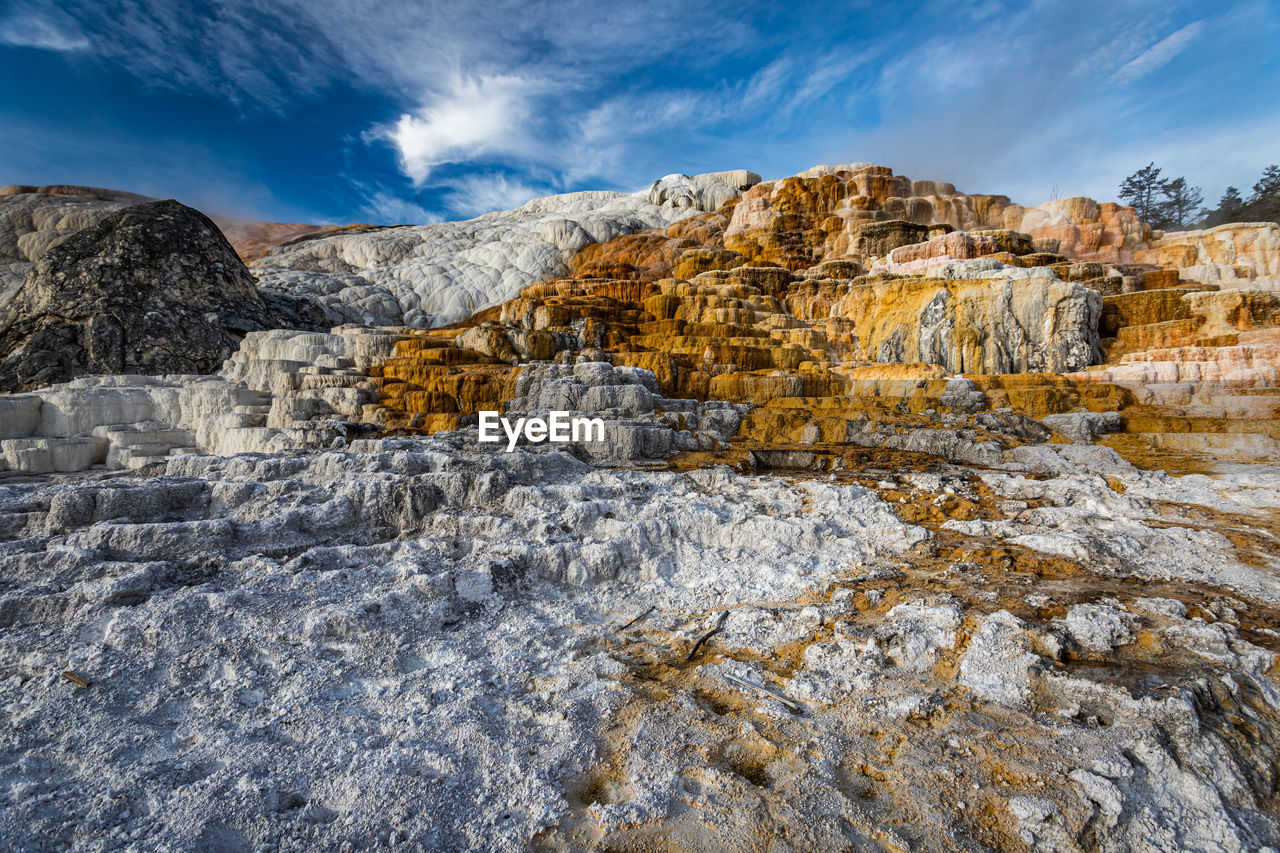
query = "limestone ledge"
x=296 y=391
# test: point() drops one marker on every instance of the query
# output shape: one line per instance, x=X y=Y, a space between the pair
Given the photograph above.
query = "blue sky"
x=393 y=111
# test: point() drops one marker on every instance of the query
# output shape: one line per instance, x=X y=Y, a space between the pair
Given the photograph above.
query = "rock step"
x=19 y=415
x=47 y=455
x=147 y=433
x=1240 y=353
x=130 y=462
x=238 y=420
x=1231 y=373
x=156 y=449
x=1251 y=447
x=337 y=362
x=1170 y=419
x=121 y=458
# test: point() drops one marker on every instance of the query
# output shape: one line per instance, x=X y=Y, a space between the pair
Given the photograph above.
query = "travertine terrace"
x=984 y=499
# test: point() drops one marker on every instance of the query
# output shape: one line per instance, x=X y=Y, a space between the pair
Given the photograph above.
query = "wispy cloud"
x=770 y=82
x=385 y=207
x=1157 y=55
x=603 y=135
x=1068 y=105
x=43 y=28
x=471 y=195
x=831 y=70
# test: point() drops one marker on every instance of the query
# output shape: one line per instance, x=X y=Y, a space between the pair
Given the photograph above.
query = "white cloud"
x=1157 y=55
x=475 y=116
x=472 y=195
x=47 y=29
x=769 y=82
x=386 y=208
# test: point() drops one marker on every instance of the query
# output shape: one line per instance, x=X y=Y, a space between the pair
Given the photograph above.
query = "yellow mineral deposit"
x=793 y=297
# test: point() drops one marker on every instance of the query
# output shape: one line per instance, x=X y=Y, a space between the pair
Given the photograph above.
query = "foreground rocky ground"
x=409 y=643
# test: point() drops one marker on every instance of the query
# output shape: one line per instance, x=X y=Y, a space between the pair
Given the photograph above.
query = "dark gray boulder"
x=153 y=288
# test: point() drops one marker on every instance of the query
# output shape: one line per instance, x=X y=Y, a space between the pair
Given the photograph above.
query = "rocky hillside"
x=34 y=219
x=152 y=288
x=807 y=301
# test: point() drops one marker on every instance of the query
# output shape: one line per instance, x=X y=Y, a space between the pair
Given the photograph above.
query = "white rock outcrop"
x=281 y=390
x=638 y=422
x=430 y=275
x=997 y=665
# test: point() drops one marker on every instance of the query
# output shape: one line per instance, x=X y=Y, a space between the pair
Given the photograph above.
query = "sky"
x=336 y=111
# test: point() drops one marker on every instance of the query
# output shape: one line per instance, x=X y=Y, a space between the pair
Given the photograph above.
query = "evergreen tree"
x=1228 y=209
x=1269 y=183
x=1264 y=204
x=1180 y=206
x=1141 y=191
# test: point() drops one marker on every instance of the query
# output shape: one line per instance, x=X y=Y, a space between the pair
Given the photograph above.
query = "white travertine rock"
x=430 y=275
x=79 y=406
x=1097 y=628
x=997 y=663
x=701 y=192
x=282 y=390
x=46 y=455
x=626 y=399
x=19 y=415
x=823 y=169
x=915 y=633
x=1083 y=427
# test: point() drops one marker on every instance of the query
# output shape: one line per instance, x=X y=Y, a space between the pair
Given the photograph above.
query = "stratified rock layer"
x=841 y=211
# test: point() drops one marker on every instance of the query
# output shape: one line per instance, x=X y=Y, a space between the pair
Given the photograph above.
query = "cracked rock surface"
x=413 y=643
